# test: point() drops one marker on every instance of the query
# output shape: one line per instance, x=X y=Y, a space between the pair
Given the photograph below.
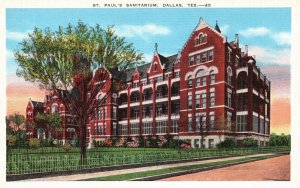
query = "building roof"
x=37 y=104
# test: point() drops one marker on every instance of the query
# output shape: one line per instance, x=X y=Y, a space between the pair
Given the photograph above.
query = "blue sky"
x=170 y=28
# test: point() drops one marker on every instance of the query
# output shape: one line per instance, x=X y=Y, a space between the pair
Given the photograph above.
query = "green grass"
x=43 y=160
x=136 y=175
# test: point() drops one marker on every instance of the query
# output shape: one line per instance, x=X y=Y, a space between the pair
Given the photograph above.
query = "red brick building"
x=210 y=90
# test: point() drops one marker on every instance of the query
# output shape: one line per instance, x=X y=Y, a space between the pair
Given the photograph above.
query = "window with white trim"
x=210 y=55
x=134 y=128
x=203 y=100
x=174 y=125
x=190 y=81
x=161 y=127
x=203 y=57
x=211 y=121
x=212 y=98
x=190 y=128
x=190 y=102
x=212 y=77
x=197 y=100
x=147 y=127
x=191 y=60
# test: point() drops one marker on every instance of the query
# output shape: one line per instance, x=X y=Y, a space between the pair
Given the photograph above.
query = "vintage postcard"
x=203 y=92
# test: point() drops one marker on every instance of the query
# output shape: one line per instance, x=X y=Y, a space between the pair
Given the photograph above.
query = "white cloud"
x=269 y=56
x=255 y=31
x=17 y=36
x=142 y=31
x=224 y=29
x=282 y=38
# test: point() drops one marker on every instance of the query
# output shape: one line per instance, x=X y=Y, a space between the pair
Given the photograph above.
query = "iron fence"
x=43 y=160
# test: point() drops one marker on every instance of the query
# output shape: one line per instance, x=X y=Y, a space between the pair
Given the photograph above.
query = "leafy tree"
x=17 y=120
x=222 y=124
x=280 y=140
x=52 y=121
x=66 y=59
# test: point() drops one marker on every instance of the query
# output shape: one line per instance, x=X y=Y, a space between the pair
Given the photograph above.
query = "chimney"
x=236 y=40
x=246 y=49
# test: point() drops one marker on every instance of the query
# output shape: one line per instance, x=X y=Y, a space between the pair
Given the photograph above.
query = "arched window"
x=212 y=76
x=202 y=38
x=203 y=77
x=198 y=78
x=54 y=108
x=190 y=82
x=229 y=76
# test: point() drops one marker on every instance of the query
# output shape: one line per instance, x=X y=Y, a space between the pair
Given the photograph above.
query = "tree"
x=66 y=59
x=52 y=121
x=17 y=120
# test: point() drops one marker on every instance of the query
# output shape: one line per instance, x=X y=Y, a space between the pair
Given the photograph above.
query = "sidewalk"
x=75 y=177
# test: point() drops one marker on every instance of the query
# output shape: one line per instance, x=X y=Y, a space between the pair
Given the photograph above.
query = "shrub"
x=108 y=143
x=162 y=141
x=34 y=143
x=67 y=147
x=121 y=143
x=133 y=144
x=250 y=142
x=11 y=140
x=227 y=143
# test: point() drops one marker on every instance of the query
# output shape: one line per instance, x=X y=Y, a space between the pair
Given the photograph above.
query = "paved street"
x=277 y=169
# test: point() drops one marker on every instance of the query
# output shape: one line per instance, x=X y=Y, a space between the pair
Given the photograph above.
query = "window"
x=114 y=113
x=198 y=59
x=161 y=127
x=198 y=123
x=203 y=100
x=196 y=41
x=177 y=74
x=255 y=124
x=198 y=78
x=228 y=55
x=190 y=129
x=135 y=84
x=159 y=111
x=212 y=98
x=237 y=61
x=210 y=55
x=155 y=67
x=229 y=121
x=190 y=82
x=101 y=129
x=136 y=114
x=197 y=102
x=174 y=126
x=241 y=123
x=159 y=78
x=261 y=126
x=202 y=38
x=203 y=122
x=212 y=121
x=134 y=128
x=123 y=129
x=191 y=60
x=54 y=109
x=212 y=77
x=147 y=128
x=229 y=76
x=190 y=102
x=114 y=129
x=203 y=77
x=229 y=99
x=203 y=57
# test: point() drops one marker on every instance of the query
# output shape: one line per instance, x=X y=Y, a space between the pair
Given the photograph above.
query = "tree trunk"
x=83 y=143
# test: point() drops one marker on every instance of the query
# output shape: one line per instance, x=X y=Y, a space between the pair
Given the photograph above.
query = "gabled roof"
x=143 y=69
